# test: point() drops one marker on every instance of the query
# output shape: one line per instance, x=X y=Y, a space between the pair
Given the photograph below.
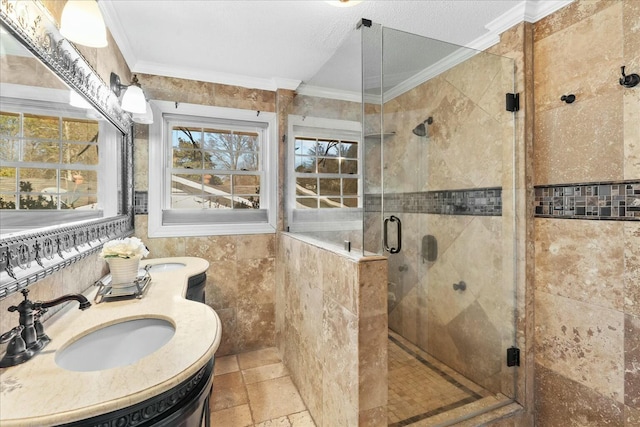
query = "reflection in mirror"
x=65 y=152
x=57 y=158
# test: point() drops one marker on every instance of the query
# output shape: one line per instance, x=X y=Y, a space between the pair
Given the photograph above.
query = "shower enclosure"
x=402 y=146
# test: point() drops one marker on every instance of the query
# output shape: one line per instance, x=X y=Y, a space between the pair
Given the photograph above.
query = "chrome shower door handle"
x=385 y=235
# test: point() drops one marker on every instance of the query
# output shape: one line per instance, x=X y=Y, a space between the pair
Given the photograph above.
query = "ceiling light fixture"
x=343 y=3
x=82 y=23
x=133 y=99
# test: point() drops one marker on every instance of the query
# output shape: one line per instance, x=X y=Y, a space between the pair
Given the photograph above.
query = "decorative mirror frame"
x=31 y=256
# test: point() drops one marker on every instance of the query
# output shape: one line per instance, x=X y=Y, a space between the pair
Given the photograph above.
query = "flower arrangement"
x=129 y=247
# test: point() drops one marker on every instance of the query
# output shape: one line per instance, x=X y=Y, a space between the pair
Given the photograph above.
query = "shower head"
x=421 y=129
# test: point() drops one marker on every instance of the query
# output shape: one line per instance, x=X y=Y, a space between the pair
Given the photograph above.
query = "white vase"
x=124 y=271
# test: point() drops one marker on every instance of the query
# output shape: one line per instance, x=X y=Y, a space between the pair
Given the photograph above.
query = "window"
x=212 y=171
x=326 y=172
x=325 y=185
x=52 y=164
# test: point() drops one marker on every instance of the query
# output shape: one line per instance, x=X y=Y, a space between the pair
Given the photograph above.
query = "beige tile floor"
x=427 y=392
x=255 y=389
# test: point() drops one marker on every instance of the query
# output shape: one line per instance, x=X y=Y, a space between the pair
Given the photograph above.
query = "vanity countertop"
x=40 y=393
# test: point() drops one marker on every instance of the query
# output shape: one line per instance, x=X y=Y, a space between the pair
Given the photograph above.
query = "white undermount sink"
x=166 y=266
x=115 y=345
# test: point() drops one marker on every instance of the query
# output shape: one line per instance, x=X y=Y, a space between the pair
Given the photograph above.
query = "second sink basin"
x=166 y=266
x=115 y=345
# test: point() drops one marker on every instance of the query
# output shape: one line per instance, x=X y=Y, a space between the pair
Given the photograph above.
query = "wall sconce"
x=75 y=100
x=133 y=99
x=146 y=118
x=82 y=23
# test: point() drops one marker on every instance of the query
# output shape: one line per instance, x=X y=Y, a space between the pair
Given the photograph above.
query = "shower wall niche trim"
x=476 y=201
x=618 y=200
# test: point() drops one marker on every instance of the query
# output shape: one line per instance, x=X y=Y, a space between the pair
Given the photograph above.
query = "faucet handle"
x=24 y=305
x=16 y=350
x=7 y=336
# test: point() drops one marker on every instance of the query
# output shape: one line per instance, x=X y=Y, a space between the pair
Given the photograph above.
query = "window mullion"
x=60 y=151
x=21 y=135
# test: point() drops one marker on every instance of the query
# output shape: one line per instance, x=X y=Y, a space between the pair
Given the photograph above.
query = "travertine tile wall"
x=241 y=276
x=587 y=273
x=240 y=282
x=332 y=330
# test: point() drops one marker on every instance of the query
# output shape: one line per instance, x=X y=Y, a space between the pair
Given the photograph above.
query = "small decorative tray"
x=137 y=289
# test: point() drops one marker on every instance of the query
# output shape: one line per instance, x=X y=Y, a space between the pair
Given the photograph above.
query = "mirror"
x=65 y=170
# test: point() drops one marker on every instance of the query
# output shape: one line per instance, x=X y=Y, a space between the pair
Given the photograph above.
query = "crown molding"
x=336 y=94
x=290 y=84
x=450 y=61
x=525 y=11
x=124 y=44
x=323 y=92
x=117 y=30
x=214 y=77
x=538 y=9
x=512 y=17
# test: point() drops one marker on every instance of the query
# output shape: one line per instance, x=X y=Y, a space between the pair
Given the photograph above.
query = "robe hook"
x=630 y=80
x=568 y=98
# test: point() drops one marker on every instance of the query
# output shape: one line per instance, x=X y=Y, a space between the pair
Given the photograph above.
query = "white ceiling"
x=279 y=44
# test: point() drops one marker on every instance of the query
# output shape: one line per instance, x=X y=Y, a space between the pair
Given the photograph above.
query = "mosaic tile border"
x=475 y=201
x=473 y=396
x=619 y=200
x=141 y=203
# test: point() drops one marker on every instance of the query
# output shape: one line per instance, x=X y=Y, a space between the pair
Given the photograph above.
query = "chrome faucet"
x=28 y=338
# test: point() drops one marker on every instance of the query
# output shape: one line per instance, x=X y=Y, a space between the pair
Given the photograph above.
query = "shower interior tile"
x=421 y=387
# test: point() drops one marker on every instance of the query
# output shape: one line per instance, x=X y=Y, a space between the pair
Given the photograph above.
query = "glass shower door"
x=445 y=172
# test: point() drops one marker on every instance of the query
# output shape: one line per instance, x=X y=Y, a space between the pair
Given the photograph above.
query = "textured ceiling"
x=271 y=44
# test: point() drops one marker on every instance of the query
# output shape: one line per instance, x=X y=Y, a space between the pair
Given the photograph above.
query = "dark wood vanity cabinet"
x=186 y=405
x=195 y=287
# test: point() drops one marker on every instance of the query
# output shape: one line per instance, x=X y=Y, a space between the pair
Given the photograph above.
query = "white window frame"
x=208 y=222
x=43 y=101
x=309 y=219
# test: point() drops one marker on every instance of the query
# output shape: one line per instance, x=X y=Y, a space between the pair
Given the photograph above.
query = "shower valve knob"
x=460 y=286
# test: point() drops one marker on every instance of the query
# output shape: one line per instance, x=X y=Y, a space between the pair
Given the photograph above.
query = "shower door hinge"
x=513 y=102
x=364 y=23
x=513 y=356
